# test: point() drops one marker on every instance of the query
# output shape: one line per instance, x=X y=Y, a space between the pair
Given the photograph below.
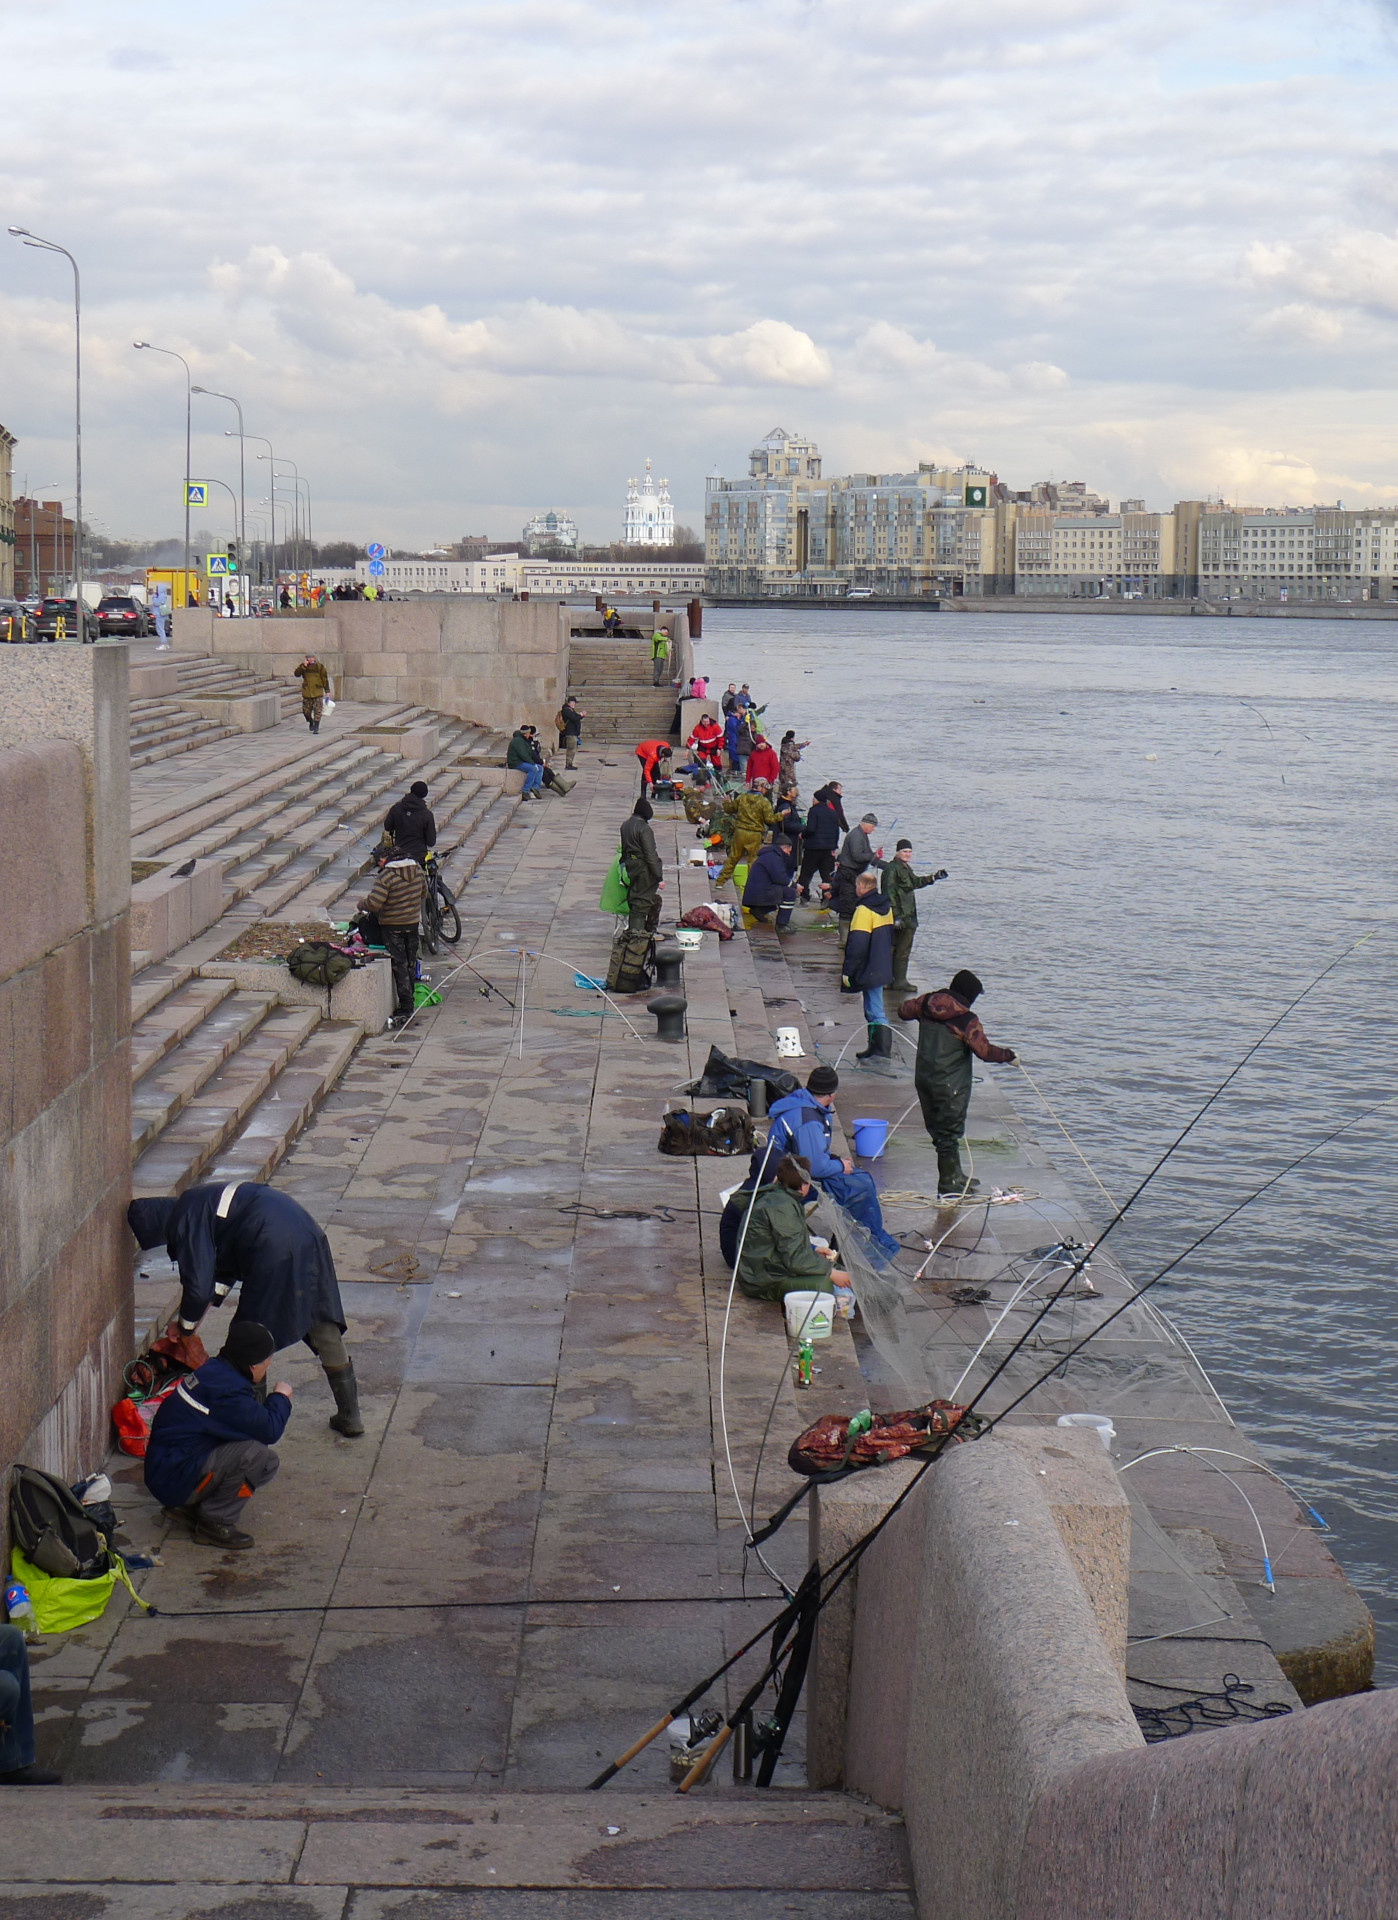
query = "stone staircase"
x=164 y=725
x=223 y=1080
x=612 y=681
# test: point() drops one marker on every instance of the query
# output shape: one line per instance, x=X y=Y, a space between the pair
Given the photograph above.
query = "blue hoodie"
x=209 y=1407
x=798 y=1123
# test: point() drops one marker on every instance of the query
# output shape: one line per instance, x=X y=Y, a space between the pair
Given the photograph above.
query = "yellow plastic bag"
x=60 y=1605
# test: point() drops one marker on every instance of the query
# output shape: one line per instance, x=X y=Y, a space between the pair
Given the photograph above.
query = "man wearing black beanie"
x=411 y=824
x=948 y=1034
x=210 y=1445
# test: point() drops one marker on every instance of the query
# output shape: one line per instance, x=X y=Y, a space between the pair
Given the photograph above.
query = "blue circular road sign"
x=375 y=550
x=376 y=566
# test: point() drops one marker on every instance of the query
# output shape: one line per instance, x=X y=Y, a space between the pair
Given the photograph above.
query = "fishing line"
x=1179 y=1139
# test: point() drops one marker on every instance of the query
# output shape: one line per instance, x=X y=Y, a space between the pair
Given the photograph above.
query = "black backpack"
x=52 y=1528
x=315 y=963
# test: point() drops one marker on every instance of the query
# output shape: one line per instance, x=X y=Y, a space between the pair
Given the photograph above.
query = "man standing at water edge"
x=948 y=1034
x=900 y=883
x=856 y=855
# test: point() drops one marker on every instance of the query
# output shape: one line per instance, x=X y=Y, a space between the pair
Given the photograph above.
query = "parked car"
x=122 y=613
x=15 y=624
x=46 y=627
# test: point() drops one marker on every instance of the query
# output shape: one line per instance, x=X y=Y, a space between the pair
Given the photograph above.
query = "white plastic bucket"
x=696 y=856
x=789 y=1043
x=1099 y=1423
x=690 y=938
x=809 y=1314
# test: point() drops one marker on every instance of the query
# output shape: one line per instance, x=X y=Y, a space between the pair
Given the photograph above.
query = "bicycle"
x=440 y=919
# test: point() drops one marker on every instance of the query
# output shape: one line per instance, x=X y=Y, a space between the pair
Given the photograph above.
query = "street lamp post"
x=273 y=461
x=52 y=246
x=296 y=517
x=242 y=479
x=144 y=346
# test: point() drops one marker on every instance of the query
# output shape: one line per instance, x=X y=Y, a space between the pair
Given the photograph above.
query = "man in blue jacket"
x=869 y=962
x=801 y=1123
x=770 y=883
x=210 y=1445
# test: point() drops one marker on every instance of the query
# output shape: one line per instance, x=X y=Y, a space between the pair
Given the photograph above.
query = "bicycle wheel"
x=430 y=926
x=448 y=919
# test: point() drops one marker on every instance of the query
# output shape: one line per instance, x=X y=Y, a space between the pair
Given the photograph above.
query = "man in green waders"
x=948 y=1034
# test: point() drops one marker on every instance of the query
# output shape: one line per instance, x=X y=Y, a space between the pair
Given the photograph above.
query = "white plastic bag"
x=329 y=706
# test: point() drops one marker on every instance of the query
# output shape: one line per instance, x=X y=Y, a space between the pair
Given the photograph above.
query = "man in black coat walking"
x=265 y=1243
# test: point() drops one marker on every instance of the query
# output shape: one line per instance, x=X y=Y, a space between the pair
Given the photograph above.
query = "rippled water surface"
x=1160 y=831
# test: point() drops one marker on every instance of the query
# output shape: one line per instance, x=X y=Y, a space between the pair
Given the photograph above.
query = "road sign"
x=196 y=493
x=375 y=550
x=215 y=563
x=376 y=567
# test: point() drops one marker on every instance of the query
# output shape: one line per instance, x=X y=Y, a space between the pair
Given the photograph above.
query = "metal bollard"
x=669 y=967
x=669 y=1010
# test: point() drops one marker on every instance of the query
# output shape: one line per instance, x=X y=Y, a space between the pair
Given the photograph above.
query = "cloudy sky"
x=465 y=261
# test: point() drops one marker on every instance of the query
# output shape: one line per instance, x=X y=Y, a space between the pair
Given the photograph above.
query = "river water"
x=1159 y=832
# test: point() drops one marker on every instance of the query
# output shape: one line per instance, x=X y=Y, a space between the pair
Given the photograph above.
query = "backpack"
x=315 y=963
x=726 y=1130
x=632 y=966
x=52 y=1529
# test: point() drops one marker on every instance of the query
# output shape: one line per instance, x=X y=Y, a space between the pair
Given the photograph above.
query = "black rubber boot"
x=871 y=1051
x=217 y=1533
x=883 y=1042
x=345 y=1388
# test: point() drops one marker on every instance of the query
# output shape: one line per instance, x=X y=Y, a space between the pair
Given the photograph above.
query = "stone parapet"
x=248 y=712
x=365 y=996
x=169 y=908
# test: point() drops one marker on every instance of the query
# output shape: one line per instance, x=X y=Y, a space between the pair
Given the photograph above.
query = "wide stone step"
x=159 y=1095
x=199 y=1133
x=289 y=1103
x=496 y=816
x=172 y=1019
x=150 y=984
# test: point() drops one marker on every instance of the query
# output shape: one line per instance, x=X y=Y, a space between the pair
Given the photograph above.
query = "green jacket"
x=659 y=645
x=754 y=812
x=900 y=883
x=777 y=1257
x=519 y=753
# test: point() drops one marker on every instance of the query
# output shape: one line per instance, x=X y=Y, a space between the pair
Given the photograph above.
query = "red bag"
x=132 y=1420
x=827 y=1447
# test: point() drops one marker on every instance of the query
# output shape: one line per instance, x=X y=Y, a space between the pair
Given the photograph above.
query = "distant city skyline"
x=1052 y=239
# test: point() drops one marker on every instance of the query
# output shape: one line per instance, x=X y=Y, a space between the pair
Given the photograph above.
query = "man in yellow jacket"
x=754 y=816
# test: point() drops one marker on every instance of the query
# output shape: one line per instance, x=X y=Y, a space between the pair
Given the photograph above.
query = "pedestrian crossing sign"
x=977 y=495
x=196 y=493
x=216 y=563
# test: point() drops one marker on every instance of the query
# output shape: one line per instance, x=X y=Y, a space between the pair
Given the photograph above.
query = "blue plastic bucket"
x=870 y=1138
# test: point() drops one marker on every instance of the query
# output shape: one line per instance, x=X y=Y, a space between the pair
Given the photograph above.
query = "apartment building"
x=1315 y=553
x=1091 y=555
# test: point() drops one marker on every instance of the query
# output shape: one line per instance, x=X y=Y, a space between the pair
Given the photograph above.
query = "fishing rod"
x=1052 y=1300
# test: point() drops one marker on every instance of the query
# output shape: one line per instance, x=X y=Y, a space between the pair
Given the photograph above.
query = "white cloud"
x=450 y=257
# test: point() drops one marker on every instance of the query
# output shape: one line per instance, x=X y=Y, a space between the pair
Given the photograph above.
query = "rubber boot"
x=345 y=1388
x=883 y=1042
x=951 y=1179
x=871 y=1052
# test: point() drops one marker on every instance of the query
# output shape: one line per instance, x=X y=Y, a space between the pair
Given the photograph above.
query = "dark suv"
x=46 y=626
x=120 y=613
x=14 y=621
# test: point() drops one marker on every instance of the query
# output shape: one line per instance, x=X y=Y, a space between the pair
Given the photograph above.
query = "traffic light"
x=233 y=556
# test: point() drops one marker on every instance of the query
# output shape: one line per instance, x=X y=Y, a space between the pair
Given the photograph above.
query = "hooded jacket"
x=869 y=948
x=754 y=813
x=777 y=1256
x=763 y=764
x=769 y=880
x=825 y=822
x=639 y=854
x=265 y=1240
x=798 y=1123
x=396 y=897
x=707 y=737
x=948 y=1033
x=413 y=825
x=211 y=1406
x=520 y=752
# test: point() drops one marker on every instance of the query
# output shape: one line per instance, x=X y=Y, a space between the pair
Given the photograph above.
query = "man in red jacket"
x=948 y=1034
x=654 y=756
x=706 y=740
x=763 y=763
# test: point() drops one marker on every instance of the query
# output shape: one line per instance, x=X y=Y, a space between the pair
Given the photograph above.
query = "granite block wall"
x=65 y=1084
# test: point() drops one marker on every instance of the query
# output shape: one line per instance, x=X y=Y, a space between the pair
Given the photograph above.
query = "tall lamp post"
x=52 y=246
x=145 y=346
x=242 y=479
x=296 y=517
x=272 y=458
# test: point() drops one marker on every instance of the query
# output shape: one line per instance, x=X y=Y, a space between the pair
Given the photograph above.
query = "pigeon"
x=183 y=872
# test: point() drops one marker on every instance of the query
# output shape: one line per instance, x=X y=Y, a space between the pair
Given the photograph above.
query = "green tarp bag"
x=616 y=888
x=425 y=995
x=60 y=1605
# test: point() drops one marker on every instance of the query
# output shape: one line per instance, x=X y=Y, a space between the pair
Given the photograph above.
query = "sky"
x=462 y=263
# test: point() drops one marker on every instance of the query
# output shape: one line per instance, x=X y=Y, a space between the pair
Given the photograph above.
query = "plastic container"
x=809 y=1316
x=689 y=938
x=1098 y=1423
x=695 y=857
x=870 y=1138
x=789 y=1043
